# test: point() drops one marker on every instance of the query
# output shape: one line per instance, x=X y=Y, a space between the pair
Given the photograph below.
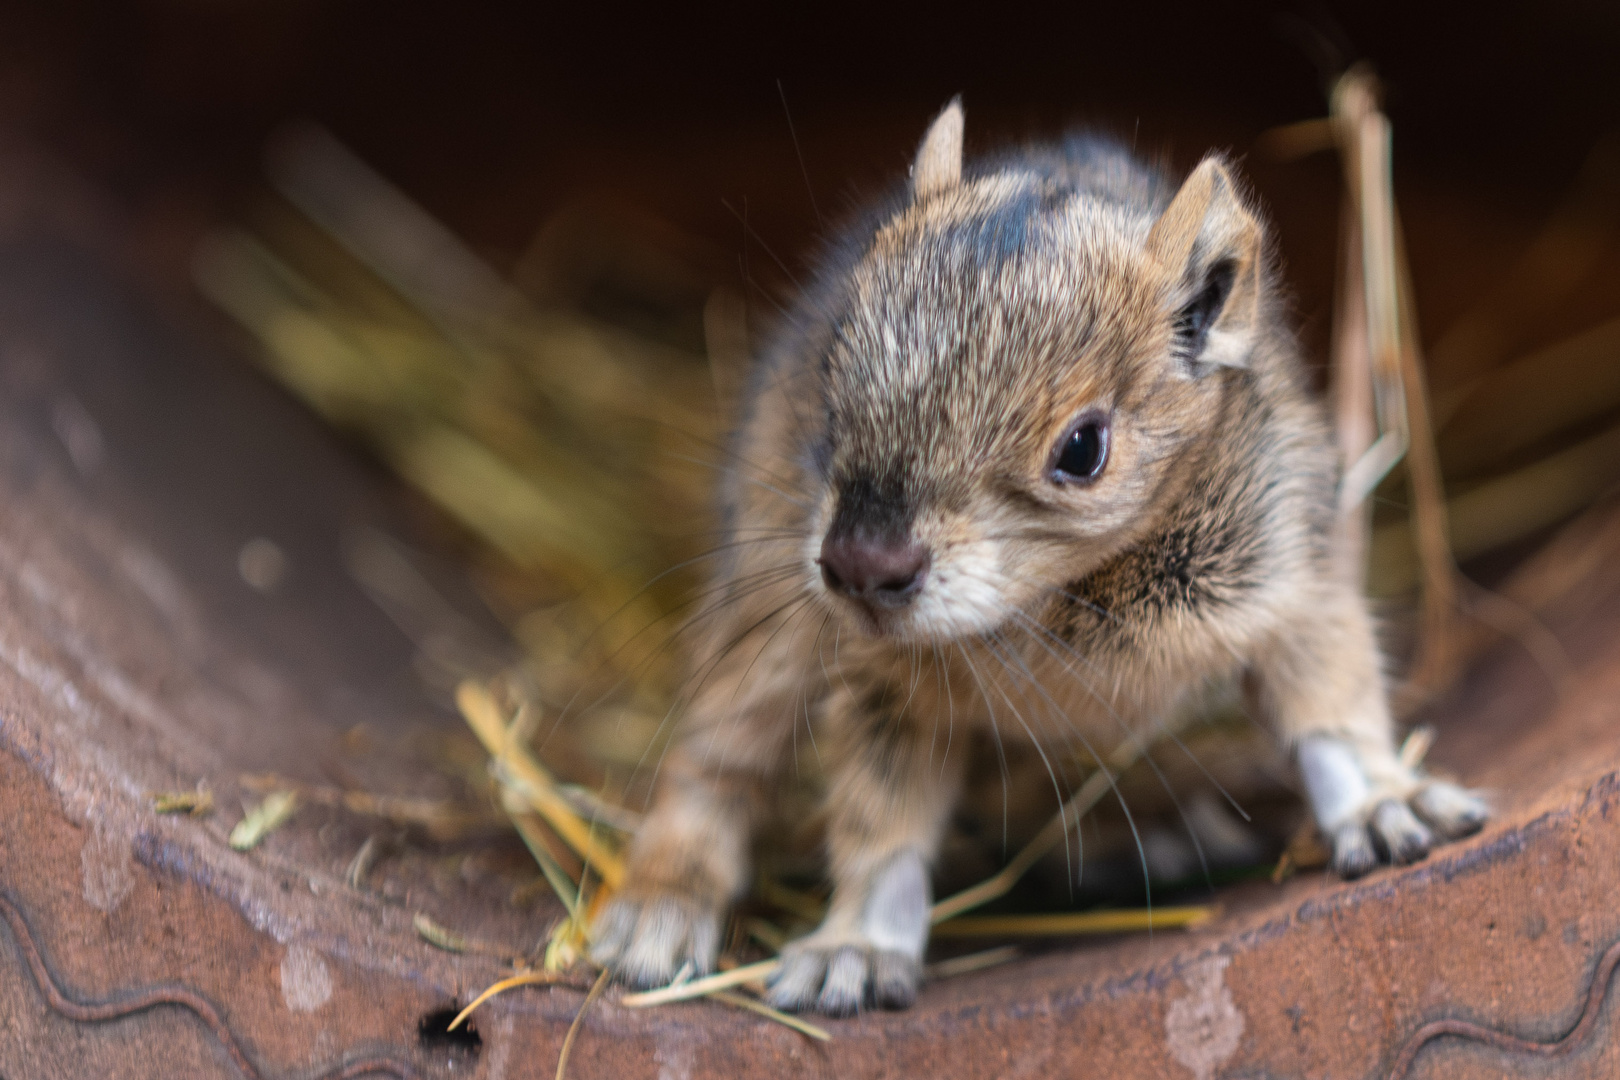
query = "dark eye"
x=1084 y=452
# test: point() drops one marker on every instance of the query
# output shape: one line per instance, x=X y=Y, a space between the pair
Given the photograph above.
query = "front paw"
x=839 y=979
x=1397 y=818
x=866 y=955
x=645 y=939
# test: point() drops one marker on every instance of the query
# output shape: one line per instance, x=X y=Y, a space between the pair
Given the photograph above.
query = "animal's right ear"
x=1211 y=247
x=939 y=159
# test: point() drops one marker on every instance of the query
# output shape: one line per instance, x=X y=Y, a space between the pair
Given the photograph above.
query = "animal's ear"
x=1211 y=248
x=939 y=159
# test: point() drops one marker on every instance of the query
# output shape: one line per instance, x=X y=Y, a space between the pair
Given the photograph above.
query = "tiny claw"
x=1353 y=854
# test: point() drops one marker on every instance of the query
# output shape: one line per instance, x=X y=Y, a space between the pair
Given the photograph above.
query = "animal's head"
x=1013 y=369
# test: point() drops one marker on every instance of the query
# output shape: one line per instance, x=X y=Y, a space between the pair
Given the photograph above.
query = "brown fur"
x=916 y=394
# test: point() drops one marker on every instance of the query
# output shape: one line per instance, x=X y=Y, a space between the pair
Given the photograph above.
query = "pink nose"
x=873 y=572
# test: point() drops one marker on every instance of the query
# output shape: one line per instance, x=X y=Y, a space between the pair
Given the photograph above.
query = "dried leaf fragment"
x=196 y=803
x=264 y=819
x=436 y=935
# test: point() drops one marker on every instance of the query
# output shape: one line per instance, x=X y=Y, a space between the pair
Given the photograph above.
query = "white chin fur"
x=964 y=595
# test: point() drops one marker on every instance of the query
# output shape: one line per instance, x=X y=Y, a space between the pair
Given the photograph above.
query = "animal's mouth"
x=903 y=624
x=872 y=619
x=883 y=626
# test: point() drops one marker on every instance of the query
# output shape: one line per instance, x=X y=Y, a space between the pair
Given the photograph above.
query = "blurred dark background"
x=497 y=116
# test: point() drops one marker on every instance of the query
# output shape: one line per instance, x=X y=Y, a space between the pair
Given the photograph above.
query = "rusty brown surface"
x=133 y=659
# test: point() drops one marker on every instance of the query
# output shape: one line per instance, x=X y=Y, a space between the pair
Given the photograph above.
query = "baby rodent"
x=1034 y=450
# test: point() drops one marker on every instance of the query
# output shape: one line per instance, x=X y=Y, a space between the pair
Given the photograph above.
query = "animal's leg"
x=889 y=797
x=690 y=859
x=1322 y=685
x=688 y=862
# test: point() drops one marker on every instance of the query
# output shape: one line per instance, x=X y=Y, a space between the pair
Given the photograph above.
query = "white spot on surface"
x=673 y=1056
x=1203 y=1028
x=109 y=872
x=306 y=981
x=262 y=564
